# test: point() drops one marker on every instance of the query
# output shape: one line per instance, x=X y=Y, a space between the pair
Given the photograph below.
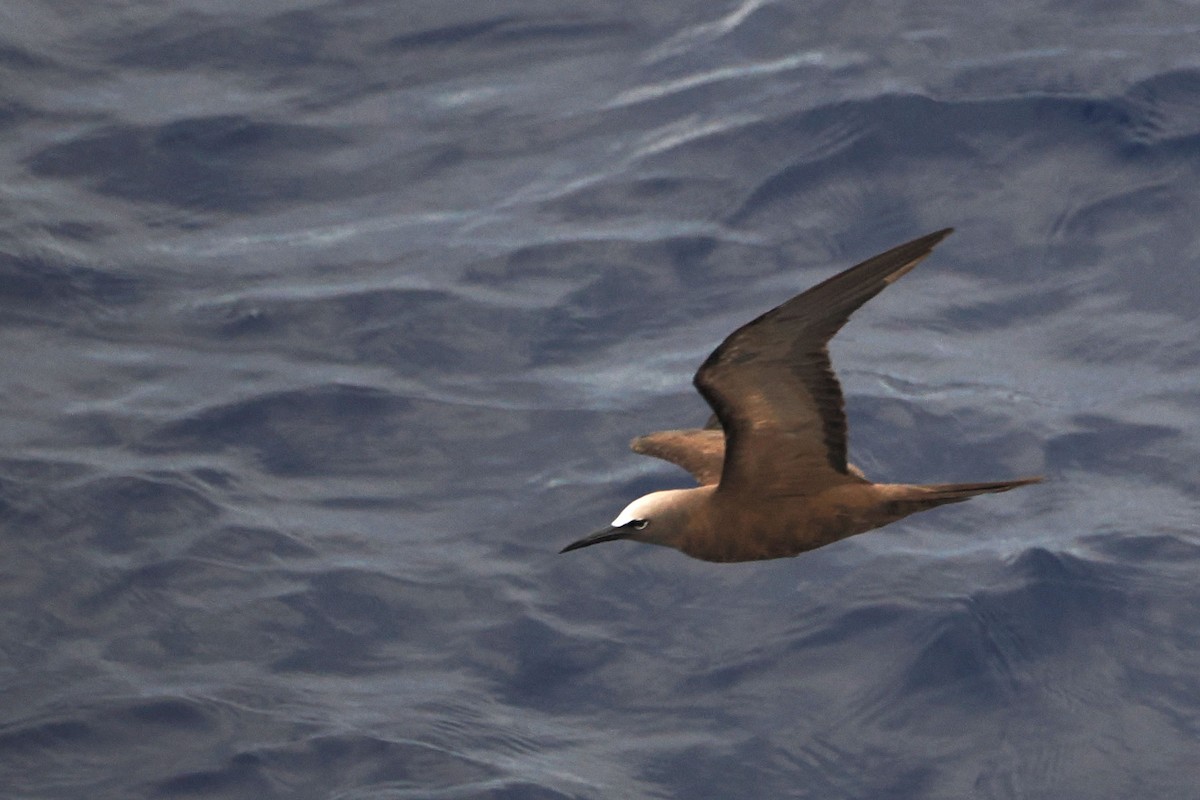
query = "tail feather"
x=961 y=491
x=937 y=494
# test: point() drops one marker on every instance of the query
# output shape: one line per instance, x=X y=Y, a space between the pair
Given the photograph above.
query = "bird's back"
x=746 y=528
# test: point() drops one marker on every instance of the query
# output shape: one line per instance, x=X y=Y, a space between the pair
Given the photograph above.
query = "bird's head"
x=658 y=518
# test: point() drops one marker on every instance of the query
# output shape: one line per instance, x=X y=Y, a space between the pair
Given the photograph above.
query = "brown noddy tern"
x=771 y=465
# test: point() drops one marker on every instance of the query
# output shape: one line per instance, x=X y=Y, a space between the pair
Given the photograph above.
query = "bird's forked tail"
x=937 y=494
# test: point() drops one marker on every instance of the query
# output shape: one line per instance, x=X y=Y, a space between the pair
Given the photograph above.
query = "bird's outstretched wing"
x=773 y=388
x=700 y=451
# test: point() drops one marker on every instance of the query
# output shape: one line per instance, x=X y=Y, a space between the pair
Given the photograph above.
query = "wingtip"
x=912 y=253
x=936 y=237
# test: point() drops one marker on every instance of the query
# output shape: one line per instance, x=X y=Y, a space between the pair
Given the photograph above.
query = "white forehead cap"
x=641 y=508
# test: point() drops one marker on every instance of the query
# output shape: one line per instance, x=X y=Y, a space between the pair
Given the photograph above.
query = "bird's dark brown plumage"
x=699 y=451
x=771 y=383
x=771 y=464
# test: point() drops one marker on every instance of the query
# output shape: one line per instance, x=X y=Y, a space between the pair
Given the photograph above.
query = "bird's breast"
x=774 y=527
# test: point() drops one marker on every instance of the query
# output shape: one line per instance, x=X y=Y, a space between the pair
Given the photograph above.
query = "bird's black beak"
x=608 y=534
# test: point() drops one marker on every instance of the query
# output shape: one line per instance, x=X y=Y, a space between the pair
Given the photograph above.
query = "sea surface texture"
x=325 y=325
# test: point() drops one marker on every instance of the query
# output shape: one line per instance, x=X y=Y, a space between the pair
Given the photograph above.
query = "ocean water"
x=326 y=324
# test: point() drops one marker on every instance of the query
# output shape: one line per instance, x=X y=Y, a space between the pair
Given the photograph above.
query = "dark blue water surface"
x=326 y=324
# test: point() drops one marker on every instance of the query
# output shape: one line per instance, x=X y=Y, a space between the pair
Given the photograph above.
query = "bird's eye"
x=639 y=524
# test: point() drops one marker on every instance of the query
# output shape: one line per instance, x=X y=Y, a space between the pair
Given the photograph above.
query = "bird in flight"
x=771 y=464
